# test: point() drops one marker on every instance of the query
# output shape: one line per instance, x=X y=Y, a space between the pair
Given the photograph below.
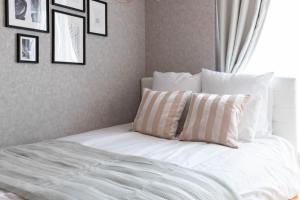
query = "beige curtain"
x=239 y=24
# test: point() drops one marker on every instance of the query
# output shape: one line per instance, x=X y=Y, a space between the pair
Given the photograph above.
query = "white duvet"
x=265 y=169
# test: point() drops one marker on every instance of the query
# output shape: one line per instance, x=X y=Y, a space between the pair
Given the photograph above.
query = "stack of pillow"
x=211 y=107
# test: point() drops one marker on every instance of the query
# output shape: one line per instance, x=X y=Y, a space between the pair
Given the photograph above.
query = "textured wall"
x=180 y=35
x=47 y=101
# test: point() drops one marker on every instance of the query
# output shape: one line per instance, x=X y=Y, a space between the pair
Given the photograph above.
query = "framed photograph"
x=27 y=48
x=78 y=5
x=68 y=38
x=97 y=17
x=28 y=14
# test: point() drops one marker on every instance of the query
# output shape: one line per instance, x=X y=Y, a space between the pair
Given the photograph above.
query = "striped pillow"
x=214 y=119
x=159 y=113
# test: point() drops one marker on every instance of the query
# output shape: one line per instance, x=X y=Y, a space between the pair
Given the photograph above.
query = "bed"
x=267 y=175
x=264 y=169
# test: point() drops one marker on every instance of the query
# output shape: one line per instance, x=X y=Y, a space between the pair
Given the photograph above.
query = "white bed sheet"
x=265 y=169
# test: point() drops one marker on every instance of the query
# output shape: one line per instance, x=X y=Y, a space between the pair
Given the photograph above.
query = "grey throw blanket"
x=59 y=170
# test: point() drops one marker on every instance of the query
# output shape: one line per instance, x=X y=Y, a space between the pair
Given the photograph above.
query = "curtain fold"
x=238 y=27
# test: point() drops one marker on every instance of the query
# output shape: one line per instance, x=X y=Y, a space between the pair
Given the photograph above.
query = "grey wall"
x=47 y=101
x=180 y=35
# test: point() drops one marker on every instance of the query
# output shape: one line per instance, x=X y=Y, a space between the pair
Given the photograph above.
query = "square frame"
x=19 y=60
x=7 y=19
x=89 y=20
x=54 y=38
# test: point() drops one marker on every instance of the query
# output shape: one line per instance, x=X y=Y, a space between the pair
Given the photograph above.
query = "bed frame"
x=284 y=107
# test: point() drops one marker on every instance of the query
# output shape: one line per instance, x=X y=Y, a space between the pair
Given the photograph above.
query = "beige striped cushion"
x=159 y=113
x=214 y=119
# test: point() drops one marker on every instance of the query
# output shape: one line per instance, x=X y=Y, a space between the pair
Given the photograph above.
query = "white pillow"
x=249 y=125
x=171 y=81
x=257 y=119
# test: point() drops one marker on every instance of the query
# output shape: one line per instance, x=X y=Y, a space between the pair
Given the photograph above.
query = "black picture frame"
x=9 y=25
x=19 y=57
x=89 y=20
x=69 y=7
x=53 y=38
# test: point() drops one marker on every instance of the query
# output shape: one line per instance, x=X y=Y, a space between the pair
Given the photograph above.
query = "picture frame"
x=27 y=48
x=69 y=43
x=32 y=15
x=97 y=18
x=77 y=5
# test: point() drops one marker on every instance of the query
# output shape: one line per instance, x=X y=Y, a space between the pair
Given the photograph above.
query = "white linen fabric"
x=8 y=196
x=257 y=118
x=238 y=27
x=63 y=170
x=171 y=81
x=262 y=170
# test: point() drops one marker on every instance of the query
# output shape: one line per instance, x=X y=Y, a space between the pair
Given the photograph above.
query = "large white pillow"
x=171 y=81
x=257 y=119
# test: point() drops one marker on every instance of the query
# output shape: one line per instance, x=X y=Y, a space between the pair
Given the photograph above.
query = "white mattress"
x=265 y=169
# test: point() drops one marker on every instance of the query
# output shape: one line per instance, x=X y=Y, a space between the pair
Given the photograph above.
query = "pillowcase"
x=171 y=81
x=159 y=113
x=214 y=119
x=249 y=122
x=257 y=120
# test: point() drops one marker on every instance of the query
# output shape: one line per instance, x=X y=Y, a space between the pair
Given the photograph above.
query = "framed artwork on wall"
x=78 y=5
x=97 y=17
x=27 y=48
x=68 y=38
x=28 y=14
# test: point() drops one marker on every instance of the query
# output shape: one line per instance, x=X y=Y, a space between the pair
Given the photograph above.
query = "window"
x=278 y=49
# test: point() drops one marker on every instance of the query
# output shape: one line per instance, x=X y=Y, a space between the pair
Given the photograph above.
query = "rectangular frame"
x=53 y=38
x=19 y=46
x=7 y=19
x=70 y=7
x=89 y=20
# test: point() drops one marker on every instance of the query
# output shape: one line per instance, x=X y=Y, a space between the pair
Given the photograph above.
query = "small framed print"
x=68 y=38
x=78 y=5
x=27 y=48
x=28 y=14
x=97 y=17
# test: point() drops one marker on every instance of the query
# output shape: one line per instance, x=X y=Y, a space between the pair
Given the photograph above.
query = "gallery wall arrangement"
x=68 y=29
x=45 y=100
